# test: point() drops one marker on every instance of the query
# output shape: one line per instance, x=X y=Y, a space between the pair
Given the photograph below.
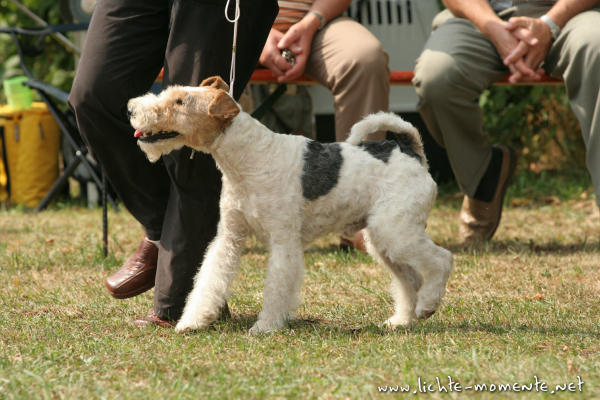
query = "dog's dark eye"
x=179 y=102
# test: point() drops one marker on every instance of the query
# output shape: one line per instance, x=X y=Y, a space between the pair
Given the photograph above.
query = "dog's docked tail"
x=406 y=135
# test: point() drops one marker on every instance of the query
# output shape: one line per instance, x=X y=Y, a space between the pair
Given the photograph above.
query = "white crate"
x=402 y=26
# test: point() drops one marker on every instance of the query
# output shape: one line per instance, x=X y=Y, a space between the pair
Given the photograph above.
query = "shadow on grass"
x=242 y=323
x=492 y=247
x=503 y=246
x=502 y=329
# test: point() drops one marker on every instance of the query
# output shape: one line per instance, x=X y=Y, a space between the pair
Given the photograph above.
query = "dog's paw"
x=189 y=324
x=256 y=331
x=429 y=300
x=398 y=320
x=183 y=326
x=428 y=303
x=264 y=326
x=426 y=311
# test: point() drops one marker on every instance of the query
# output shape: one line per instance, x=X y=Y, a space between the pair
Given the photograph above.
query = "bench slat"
x=397 y=78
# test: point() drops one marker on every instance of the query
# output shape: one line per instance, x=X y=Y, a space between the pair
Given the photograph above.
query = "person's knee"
x=357 y=59
x=587 y=48
x=82 y=98
x=95 y=97
x=369 y=58
x=434 y=74
x=91 y=103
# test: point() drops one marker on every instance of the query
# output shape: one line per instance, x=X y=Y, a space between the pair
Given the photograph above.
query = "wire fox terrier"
x=289 y=190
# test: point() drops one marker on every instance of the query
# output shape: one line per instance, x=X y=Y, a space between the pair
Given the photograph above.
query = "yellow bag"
x=3 y=174
x=32 y=141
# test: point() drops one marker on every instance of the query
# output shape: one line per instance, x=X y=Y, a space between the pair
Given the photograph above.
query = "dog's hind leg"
x=403 y=288
x=221 y=262
x=283 y=283
x=403 y=240
x=435 y=269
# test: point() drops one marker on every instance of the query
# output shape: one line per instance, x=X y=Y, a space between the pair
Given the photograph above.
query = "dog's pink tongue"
x=138 y=133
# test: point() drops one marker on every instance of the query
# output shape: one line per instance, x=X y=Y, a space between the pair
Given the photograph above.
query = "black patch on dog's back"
x=380 y=150
x=383 y=150
x=321 y=169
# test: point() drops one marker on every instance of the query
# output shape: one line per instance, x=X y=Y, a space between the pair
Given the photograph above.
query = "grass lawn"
x=524 y=309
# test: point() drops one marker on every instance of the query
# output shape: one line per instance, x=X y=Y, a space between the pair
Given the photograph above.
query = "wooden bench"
x=263 y=75
x=397 y=78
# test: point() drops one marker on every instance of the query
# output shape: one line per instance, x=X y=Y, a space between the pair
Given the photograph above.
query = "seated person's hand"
x=535 y=39
x=271 y=57
x=509 y=45
x=298 y=40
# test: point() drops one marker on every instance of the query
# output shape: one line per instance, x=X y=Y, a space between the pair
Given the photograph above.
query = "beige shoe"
x=479 y=219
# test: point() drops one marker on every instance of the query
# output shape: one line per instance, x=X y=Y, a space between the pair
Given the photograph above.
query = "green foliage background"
x=49 y=60
x=537 y=121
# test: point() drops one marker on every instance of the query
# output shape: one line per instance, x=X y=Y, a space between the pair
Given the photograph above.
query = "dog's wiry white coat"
x=262 y=194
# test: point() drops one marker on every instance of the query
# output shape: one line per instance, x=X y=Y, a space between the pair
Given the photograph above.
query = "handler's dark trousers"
x=176 y=199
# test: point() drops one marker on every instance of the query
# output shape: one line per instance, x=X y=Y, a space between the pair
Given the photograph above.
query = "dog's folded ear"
x=215 y=82
x=223 y=108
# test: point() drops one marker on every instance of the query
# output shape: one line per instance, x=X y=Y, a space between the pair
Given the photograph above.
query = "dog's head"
x=182 y=116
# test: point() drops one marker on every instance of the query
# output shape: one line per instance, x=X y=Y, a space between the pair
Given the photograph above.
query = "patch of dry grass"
x=526 y=304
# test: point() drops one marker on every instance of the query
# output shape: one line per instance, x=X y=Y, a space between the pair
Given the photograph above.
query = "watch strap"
x=554 y=29
x=320 y=17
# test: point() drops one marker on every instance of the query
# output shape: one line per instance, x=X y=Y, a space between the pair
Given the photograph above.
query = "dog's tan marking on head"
x=223 y=108
x=216 y=82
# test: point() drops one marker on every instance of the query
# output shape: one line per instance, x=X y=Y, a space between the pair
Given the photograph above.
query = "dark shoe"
x=356 y=243
x=137 y=274
x=153 y=320
x=480 y=219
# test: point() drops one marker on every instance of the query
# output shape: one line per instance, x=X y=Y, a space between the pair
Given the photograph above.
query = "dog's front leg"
x=211 y=285
x=283 y=283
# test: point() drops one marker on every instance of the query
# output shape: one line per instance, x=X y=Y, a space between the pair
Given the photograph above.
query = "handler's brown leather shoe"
x=479 y=219
x=137 y=273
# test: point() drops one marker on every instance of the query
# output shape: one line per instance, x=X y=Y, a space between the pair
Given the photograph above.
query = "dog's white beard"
x=155 y=150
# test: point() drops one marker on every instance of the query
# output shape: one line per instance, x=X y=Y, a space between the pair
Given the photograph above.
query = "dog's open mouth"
x=154 y=137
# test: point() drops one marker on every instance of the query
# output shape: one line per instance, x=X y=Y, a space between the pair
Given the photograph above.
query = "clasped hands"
x=523 y=44
x=298 y=40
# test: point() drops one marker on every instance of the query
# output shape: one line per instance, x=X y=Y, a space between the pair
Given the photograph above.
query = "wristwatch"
x=554 y=29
